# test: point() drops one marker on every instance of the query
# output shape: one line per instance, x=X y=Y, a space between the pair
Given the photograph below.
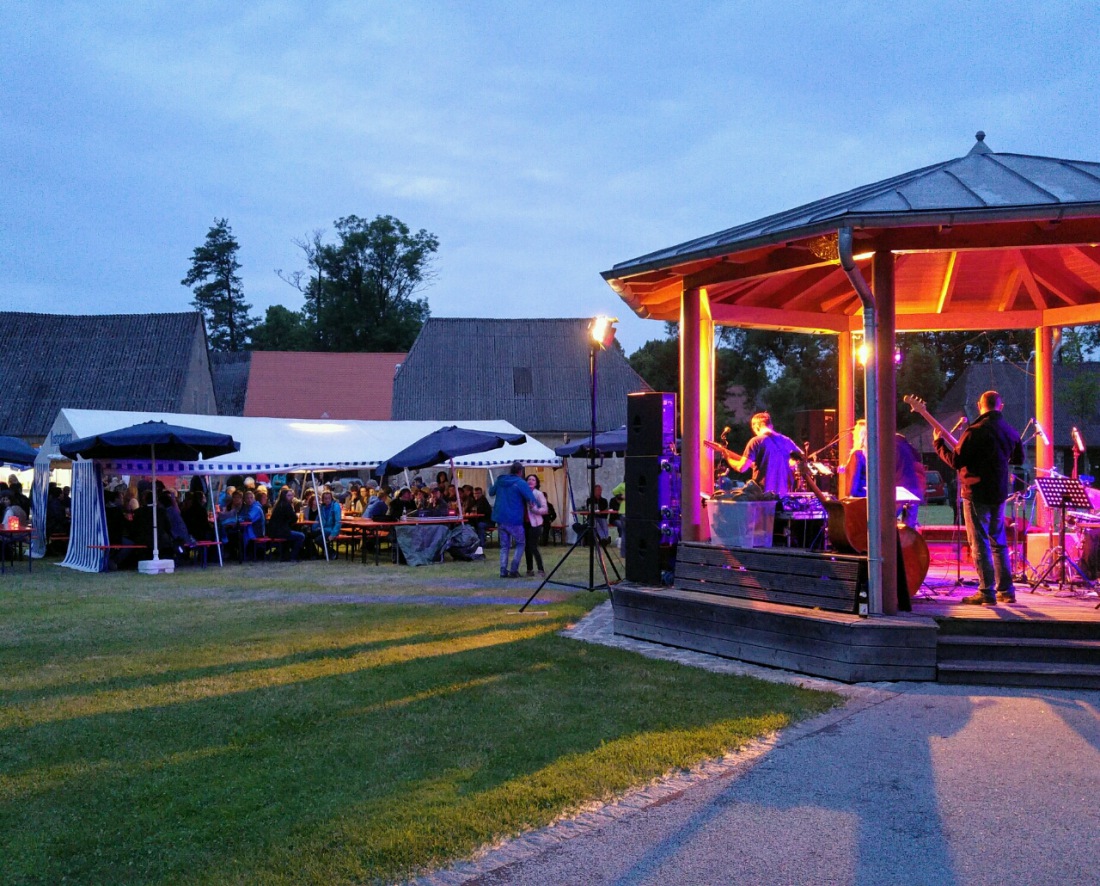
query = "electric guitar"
x=921 y=408
x=728 y=455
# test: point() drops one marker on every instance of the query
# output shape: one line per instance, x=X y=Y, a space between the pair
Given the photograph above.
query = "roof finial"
x=980 y=147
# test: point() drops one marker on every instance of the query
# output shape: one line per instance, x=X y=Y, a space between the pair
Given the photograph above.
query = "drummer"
x=768 y=455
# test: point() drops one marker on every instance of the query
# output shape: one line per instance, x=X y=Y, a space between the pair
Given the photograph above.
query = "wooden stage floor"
x=940 y=595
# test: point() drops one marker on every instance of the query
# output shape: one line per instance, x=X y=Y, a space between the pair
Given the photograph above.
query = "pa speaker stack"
x=652 y=486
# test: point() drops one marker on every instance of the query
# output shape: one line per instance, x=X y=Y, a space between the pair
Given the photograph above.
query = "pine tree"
x=218 y=292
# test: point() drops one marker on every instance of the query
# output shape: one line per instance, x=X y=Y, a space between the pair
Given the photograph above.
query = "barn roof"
x=532 y=373
x=104 y=361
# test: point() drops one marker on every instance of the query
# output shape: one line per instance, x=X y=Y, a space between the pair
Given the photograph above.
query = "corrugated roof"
x=103 y=361
x=310 y=384
x=981 y=184
x=532 y=373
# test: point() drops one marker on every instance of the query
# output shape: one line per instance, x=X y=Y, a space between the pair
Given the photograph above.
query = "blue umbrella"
x=149 y=439
x=15 y=452
x=443 y=445
x=607 y=443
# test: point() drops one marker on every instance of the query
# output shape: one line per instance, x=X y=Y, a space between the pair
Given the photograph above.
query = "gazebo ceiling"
x=985 y=241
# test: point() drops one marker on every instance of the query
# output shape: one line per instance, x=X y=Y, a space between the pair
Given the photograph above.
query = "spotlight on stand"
x=601 y=333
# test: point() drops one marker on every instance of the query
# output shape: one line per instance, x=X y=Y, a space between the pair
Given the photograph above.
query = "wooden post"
x=696 y=411
x=845 y=402
x=1044 y=411
x=883 y=536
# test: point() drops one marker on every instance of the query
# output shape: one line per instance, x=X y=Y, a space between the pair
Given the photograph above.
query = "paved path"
x=907 y=784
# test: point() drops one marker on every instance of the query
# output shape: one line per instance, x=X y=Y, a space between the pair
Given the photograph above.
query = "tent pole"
x=317 y=493
x=458 y=497
x=214 y=514
x=156 y=549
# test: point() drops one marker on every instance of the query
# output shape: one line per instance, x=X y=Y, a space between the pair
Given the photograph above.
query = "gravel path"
x=907 y=783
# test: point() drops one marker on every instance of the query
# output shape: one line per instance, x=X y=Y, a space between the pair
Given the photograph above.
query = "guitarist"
x=982 y=459
x=769 y=455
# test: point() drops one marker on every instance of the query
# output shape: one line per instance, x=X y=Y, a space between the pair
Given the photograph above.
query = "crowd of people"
x=302 y=519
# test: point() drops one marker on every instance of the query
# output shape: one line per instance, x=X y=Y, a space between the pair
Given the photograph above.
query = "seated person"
x=177 y=528
x=328 y=518
x=401 y=505
x=232 y=521
x=196 y=517
x=379 y=506
x=436 y=505
x=254 y=513
x=479 y=514
x=283 y=522
x=142 y=529
x=57 y=520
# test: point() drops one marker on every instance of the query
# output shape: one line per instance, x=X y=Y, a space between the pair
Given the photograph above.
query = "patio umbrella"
x=15 y=452
x=446 y=444
x=607 y=443
x=148 y=440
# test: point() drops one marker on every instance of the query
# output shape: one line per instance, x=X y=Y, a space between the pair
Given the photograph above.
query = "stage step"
x=1016 y=650
x=1020 y=673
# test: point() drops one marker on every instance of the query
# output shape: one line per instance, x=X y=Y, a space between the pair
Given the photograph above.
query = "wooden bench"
x=828 y=581
x=202 y=548
x=63 y=540
x=349 y=542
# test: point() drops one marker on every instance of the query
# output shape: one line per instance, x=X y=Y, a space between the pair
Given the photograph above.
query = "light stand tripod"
x=602 y=334
x=1061 y=493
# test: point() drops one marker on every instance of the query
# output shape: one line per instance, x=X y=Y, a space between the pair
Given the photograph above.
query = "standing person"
x=769 y=455
x=532 y=526
x=982 y=459
x=599 y=506
x=512 y=495
x=855 y=469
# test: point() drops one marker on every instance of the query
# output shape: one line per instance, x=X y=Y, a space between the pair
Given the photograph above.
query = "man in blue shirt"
x=512 y=497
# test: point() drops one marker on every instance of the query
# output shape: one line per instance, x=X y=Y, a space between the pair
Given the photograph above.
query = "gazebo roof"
x=987 y=240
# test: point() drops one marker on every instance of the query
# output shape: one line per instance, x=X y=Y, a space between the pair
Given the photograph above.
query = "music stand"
x=1062 y=493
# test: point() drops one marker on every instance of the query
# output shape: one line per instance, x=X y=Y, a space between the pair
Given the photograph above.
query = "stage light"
x=603 y=331
x=897 y=356
x=863 y=353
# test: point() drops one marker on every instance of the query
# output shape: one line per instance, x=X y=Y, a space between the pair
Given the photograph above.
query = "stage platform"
x=1049 y=637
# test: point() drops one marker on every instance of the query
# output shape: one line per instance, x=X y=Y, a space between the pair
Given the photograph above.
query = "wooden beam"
x=977 y=320
x=780 y=260
x=948 y=285
x=1028 y=280
x=1010 y=288
x=1078 y=315
x=778 y=319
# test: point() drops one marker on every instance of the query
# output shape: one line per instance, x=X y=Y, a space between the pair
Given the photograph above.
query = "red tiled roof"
x=306 y=384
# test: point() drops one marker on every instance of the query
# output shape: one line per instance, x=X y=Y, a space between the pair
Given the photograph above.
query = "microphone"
x=1039 y=430
x=1078 y=443
x=958 y=424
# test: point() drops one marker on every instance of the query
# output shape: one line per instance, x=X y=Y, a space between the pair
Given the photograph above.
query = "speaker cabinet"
x=816 y=427
x=650 y=549
x=650 y=424
x=652 y=487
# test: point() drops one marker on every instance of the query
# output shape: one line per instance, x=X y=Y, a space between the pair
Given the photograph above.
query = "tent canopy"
x=607 y=443
x=445 y=444
x=280 y=445
x=15 y=452
x=136 y=441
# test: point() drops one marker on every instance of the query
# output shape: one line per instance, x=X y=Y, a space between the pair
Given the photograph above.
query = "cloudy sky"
x=541 y=142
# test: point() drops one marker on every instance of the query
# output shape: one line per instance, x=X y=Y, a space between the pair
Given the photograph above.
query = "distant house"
x=1076 y=403
x=137 y=362
x=309 y=384
x=532 y=373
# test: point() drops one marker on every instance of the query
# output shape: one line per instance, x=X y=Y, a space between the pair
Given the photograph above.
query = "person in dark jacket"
x=282 y=523
x=983 y=460
x=512 y=495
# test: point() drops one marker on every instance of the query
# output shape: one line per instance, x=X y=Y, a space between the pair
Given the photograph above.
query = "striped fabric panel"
x=89 y=526
x=39 y=487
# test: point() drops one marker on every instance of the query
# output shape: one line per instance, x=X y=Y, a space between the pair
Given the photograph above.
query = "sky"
x=542 y=143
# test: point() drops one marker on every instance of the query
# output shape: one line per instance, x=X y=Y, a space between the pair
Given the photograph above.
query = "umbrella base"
x=156 y=567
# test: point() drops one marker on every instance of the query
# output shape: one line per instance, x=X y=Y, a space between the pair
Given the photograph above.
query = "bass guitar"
x=728 y=455
x=921 y=408
x=847 y=518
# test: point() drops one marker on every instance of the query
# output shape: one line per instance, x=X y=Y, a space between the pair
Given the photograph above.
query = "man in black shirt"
x=982 y=459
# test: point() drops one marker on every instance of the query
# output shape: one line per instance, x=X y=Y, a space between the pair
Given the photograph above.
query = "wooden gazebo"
x=985 y=241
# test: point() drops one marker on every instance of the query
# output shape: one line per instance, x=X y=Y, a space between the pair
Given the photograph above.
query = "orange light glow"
x=863 y=353
x=603 y=331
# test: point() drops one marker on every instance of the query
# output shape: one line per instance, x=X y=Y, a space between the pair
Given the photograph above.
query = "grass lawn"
x=323 y=723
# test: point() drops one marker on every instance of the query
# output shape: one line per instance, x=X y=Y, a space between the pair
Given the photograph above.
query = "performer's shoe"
x=979 y=599
x=1006 y=596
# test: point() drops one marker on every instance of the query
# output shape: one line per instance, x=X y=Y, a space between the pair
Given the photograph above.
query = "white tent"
x=268 y=445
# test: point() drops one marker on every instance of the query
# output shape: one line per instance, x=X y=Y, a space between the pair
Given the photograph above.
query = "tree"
x=218 y=292
x=282 y=330
x=359 y=291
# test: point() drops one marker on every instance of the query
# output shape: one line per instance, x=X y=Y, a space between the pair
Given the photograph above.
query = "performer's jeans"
x=985 y=531
x=510 y=537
